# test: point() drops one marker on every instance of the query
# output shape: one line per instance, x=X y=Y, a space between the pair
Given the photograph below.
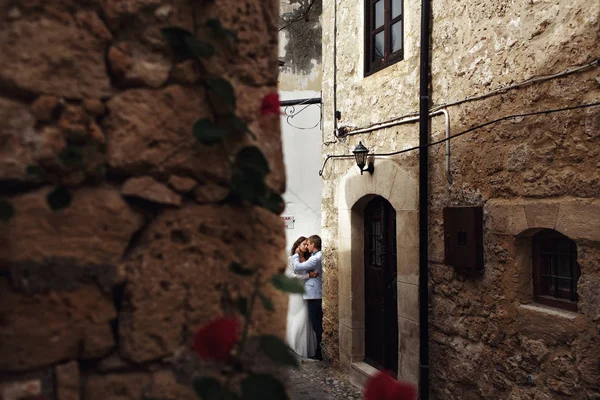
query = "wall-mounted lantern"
x=360 y=154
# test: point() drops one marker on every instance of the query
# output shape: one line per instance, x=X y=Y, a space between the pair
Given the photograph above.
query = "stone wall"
x=487 y=336
x=98 y=300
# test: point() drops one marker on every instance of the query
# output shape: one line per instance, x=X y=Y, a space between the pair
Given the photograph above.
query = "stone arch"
x=399 y=187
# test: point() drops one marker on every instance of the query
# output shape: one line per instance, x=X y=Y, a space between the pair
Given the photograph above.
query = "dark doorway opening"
x=381 y=293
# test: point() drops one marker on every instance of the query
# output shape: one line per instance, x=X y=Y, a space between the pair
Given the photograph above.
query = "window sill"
x=555 y=312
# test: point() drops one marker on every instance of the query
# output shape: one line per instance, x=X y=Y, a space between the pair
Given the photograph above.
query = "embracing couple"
x=305 y=315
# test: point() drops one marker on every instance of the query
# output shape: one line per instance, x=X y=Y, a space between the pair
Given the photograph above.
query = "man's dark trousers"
x=315 y=314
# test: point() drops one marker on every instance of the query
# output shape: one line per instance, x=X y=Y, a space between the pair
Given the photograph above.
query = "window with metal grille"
x=384 y=38
x=555 y=270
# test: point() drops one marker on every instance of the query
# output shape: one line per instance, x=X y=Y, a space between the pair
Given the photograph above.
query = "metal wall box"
x=463 y=237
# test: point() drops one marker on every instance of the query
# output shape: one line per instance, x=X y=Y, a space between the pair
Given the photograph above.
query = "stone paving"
x=316 y=380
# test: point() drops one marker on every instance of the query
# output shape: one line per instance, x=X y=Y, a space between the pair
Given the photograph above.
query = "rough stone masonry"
x=488 y=340
x=98 y=300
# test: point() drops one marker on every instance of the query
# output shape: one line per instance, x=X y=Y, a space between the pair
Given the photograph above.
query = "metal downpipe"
x=424 y=101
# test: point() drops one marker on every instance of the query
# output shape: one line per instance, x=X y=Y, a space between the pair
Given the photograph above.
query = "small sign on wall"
x=288 y=220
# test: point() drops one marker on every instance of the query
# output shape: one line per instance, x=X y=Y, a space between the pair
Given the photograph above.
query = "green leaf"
x=34 y=170
x=238 y=269
x=237 y=123
x=273 y=202
x=199 y=49
x=59 y=198
x=226 y=394
x=207 y=133
x=218 y=29
x=71 y=156
x=248 y=185
x=223 y=89
x=7 y=211
x=288 y=285
x=276 y=349
x=176 y=37
x=267 y=303
x=262 y=387
x=77 y=137
x=252 y=158
x=242 y=304
x=207 y=388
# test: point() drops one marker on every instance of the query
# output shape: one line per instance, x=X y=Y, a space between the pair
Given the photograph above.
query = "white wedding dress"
x=299 y=333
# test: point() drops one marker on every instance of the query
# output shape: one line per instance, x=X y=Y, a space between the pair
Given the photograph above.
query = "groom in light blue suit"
x=313 y=287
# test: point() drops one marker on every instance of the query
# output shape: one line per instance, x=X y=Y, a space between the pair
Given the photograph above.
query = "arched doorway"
x=381 y=289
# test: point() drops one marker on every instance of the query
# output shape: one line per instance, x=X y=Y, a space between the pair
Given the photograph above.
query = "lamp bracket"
x=370 y=168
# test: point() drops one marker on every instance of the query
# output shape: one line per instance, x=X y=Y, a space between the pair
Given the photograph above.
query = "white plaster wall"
x=302 y=157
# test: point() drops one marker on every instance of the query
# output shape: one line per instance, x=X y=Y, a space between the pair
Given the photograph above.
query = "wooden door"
x=381 y=293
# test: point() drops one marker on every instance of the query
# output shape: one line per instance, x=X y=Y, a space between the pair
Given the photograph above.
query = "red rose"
x=270 y=104
x=216 y=339
x=383 y=387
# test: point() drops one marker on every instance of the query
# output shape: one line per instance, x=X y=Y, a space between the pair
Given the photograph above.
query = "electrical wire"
x=473 y=128
x=527 y=82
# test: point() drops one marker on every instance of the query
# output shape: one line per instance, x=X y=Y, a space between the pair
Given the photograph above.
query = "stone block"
x=404 y=191
x=505 y=218
x=133 y=65
x=67 y=381
x=345 y=228
x=149 y=132
x=44 y=108
x=579 y=219
x=113 y=362
x=352 y=341
x=361 y=372
x=345 y=272
x=68 y=318
x=79 y=53
x=408 y=338
x=208 y=193
x=408 y=301
x=98 y=340
x=345 y=361
x=195 y=241
x=407 y=228
x=352 y=312
x=94 y=107
x=19 y=140
x=165 y=386
x=21 y=390
x=94 y=229
x=390 y=181
x=549 y=327
x=126 y=386
x=148 y=188
x=588 y=289
x=408 y=264
x=541 y=215
x=182 y=184
x=345 y=311
x=345 y=339
x=408 y=369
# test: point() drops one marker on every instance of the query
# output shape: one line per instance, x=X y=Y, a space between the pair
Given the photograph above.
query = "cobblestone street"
x=315 y=380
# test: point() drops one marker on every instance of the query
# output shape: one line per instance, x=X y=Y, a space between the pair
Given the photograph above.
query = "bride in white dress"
x=299 y=333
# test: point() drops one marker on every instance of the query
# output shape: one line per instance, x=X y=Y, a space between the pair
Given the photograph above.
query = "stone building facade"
x=490 y=336
x=99 y=299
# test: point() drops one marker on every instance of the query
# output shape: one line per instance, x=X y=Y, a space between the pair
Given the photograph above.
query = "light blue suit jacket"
x=313 y=287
